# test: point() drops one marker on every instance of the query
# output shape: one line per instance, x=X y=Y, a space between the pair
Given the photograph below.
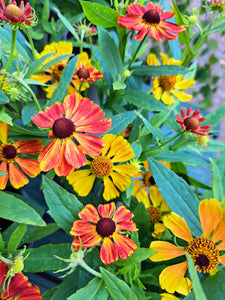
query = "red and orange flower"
x=204 y=250
x=76 y=118
x=17 y=287
x=105 y=224
x=10 y=160
x=191 y=120
x=150 y=20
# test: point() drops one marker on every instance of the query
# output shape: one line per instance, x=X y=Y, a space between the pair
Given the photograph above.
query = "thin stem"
x=136 y=52
x=31 y=43
x=167 y=142
x=89 y=269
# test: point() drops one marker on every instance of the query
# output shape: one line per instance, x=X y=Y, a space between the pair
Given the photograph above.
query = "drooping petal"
x=120 y=150
x=122 y=214
x=182 y=96
x=126 y=226
x=126 y=170
x=3 y=132
x=82 y=181
x=110 y=191
x=152 y=60
x=184 y=84
x=88 y=240
x=185 y=286
x=73 y=154
x=106 y=210
x=29 y=166
x=124 y=245
x=89 y=214
x=219 y=232
x=81 y=227
x=50 y=155
x=16 y=177
x=3 y=178
x=29 y=147
x=159 y=228
x=91 y=144
x=108 y=252
x=120 y=181
x=63 y=168
x=167 y=99
x=165 y=250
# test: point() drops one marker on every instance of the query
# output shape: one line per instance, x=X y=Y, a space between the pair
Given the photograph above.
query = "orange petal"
x=91 y=144
x=210 y=213
x=16 y=177
x=222 y=260
x=178 y=226
x=171 y=277
x=124 y=245
x=29 y=147
x=108 y=252
x=184 y=286
x=63 y=168
x=29 y=166
x=122 y=214
x=126 y=226
x=165 y=250
x=88 y=240
x=219 y=232
x=106 y=210
x=73 y=154
x=50 y=155
x=3 y=271
x=81 y=227
x=3 y=178
x=89 y=214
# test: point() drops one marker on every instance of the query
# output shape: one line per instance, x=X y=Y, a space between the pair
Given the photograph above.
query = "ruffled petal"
x=136 y=9
x=124 y=245
x=159 y=228
x=29 y=147
x=91 y=144
x=106 y=210
x=81 y=227
x=120 y=181
x=50 y=155
x=88 y=240
x=126 y=170
x=29 y=166
x=89 y=214
x=63 y=168
x=73 y=154
x=82 y=181
x=110 y=191
x=126 y=226
x=165 y=250
x=108 y=252
x=120 y=150
x=16 y=177
x=122 y=214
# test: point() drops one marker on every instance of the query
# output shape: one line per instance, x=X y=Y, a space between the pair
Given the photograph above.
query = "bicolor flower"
x=104 y=225
x=73 y=124
x=13 y=164
x=204 y=250
x=150 y=20
x=191 y=120
x=111 y=166
x=166 y=86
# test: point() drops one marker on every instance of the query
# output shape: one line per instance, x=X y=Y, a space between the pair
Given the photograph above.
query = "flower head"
x=12 y=164
x=216 y=5
x=191 y=120
x=165 y=87
x=110 y=166
x=204 y=250
x=150 y=20
x=105 y=224
x=17 y=287
x=77 y=118
x=17 y=15
x=85 y=72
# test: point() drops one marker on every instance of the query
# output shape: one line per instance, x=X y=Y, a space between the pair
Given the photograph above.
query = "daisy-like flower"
x=77 y=118
x=54 y=72
x=204 y=250
x=216 y=5
x=165 y=87
x=105 y=224
x=111 y=166
x=85 y=73
x=150 y=20
x=11 y=162
x=14 y=14
x=191 y=120
x=17 y=287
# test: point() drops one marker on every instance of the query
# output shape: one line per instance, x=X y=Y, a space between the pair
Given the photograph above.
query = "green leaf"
x=110 y=53
x=63 y=206
x=34 y=66
x=28 y=111
x=94 y=290
x=217 y=184
x=54 y=61
x=65 y=79
x=141 y=218
x=23 y=131
x=45 y=17
x=43 y=258
x=3 y=98
x=214 y=118
x=117 y=288
x=121 y=121
x=16 y=238
x=12 y=208
x=100 y=15
x=5 y=117
x=158 y=70
x=2 y=244
x=139 y=255
x=219 y=28
x=42 y=232
x=178 y=195
x=118 y=85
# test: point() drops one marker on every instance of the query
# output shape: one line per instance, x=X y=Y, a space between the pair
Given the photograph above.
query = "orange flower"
x=9 y=158
x=77 y=118
x=18 y=287
x=204 y=250
x=107 y=226
x=150 y=20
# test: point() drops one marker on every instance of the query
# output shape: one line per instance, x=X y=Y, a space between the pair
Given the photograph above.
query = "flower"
x=77 y=118
x=10 y=159
x=164 y=86
x=54 y=72
x=191 y=120
x=105 y=166
x=17 y=287
x=150 y=20
x=216 y=5
x=85 y=73
x=203 y=140
x=204 y=250
x=16 y=15
x=104 y=225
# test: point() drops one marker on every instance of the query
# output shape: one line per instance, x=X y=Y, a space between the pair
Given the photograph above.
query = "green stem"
x=167 y=142
x=136 y=52
x=89 y=269
x=31 y=43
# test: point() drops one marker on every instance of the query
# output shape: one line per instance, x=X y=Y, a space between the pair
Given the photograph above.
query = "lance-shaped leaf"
x=158 y=70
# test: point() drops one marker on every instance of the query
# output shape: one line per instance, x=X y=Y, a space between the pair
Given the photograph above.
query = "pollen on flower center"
x=148 y=179
x=167 y=83
x=63 y=128
x=191 y=123
x=151 y=16
x=57 y=71
x=154 y=214
x=12 y=11
x=101 y=166
x=9 y=152
x=105 y=227
x=204 y=253
x=83 y=73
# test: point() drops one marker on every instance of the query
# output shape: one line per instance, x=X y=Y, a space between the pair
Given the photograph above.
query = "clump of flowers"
x=111 y=166
x=150 y=20
x=76 y=118
x=191 y=120
x=104 y=225
x=166 y=87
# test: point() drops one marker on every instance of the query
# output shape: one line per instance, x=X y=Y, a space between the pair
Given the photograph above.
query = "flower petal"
x=122 y=214
x=88 y=240
x=3 y=132
x=126 y=226
x=16 y=177
x=219 y=232
x=167 y=99
x=124 y=245
x=110 y=191
x=29 y=147
x=165 y=250
x=106 y=210
x=81 y=181
x=73 y=154
x=29 y=166
x=50 y=155
x=3 y=178
x=91 y=144
x=182 y=96
x=81 y=227
x=89 y=213
x=108 y=252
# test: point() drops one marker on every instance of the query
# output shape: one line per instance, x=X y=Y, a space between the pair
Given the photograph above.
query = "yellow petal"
x=81 y=181
x=185 y=84
x=165 y=250
x=157 y=92
x=181 y=95
x=164 y=58
x=167 y=99
x=159 y=228
x=3 y=132
x=110 y=191
x=166 y=296
x=143 y=197
x=152 y=60
x=184 y=286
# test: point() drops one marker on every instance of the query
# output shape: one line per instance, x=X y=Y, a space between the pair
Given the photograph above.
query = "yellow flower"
x=165 y=87
x=111 y=166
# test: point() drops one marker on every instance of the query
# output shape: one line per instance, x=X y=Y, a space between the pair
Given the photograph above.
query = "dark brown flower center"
x=151 y=16
x=167 y=83
x=83 y=73
x=101 y=166
x=63 y=128
x=12 y=11
x=57 y=71
x=154 y=214
x=148 y=179
x=9 y=152
x=105 y=227
x=191 y=123
x=204 y=254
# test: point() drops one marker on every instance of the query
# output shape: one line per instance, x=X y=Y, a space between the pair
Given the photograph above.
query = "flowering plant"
x=111 y=163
